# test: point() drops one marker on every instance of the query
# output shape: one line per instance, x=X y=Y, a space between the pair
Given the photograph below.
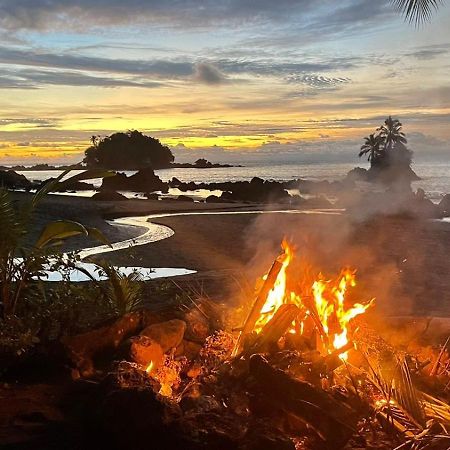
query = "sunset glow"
x=293 y=79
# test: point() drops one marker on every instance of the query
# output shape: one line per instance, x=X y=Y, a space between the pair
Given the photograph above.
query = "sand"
x=404 y=263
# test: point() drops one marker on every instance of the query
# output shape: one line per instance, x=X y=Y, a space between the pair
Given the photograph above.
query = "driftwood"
x=334 y=421
x=255 y=312
x=83 y=348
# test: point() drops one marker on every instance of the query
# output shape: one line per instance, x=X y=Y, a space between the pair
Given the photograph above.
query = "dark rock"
x=357 y=174
x=146 y=181
x=13 y=180
x=257 y=190
x=151 y=196
x=185 y=198
x=82 y=348
x=167 y=334
x=109 y=196
x=213 y=199
x=175 y=182
x=444 y=205
x=118 y=182
x=75 y=186
x=143 y=181
x=189 y=349
x=198 y=326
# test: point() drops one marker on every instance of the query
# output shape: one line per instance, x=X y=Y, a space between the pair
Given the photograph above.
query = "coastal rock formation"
x=13 y=180
x=444 y=204
x=109 y=196
x=257 y=190
x=144 y=180
x=185 y=198
x=357 y=174
x=76 y=186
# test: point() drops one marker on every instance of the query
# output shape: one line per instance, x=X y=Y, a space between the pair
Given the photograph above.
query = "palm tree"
x=371 y=147
x=417 y=11
x=391 y=133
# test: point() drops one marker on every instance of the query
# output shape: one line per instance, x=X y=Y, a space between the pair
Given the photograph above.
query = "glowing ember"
x=328 y=311
x=167 y=374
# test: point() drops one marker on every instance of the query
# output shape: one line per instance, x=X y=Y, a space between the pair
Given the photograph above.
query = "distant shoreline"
x=45 y=167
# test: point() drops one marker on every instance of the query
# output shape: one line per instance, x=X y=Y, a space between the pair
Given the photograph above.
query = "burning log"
x=275 y=328
x=334 y=421
x=255 y=312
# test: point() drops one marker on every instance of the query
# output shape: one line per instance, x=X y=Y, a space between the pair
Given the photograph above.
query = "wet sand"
x=404 y=263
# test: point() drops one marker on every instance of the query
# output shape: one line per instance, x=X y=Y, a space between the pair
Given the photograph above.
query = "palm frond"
x=417 y=11
x=392 y=379
x=11 y=229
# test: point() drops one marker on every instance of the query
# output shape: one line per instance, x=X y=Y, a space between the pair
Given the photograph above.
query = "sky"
x=235 y=80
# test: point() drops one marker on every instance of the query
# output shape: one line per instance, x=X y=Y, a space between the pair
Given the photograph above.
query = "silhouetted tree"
x=131 y=150
x=391 y=133
x=371 y=147
x=387 y=151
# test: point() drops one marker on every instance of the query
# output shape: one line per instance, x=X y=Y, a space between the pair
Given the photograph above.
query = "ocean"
x=435 y=176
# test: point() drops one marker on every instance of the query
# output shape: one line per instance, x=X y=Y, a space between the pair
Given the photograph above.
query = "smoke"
x=390 y=255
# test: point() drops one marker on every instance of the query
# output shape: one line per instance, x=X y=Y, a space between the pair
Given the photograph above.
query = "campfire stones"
x=167 y=334
x=188 y=349
x=198 y=328
x=145 y=351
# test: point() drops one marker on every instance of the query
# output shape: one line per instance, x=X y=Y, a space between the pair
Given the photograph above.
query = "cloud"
x=34 y=122
x=209 y=74
x=318 y=81
x=35 y=68
x=34 y=79
x=51 y=14
x=28 y=57
x=426 y=53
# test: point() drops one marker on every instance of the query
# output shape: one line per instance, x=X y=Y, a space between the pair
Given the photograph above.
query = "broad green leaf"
x=60 y=230
x=48 y=187
x=83 y=176
x=96 y=234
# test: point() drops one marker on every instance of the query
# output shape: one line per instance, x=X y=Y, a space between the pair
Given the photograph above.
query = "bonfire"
x=302 y=370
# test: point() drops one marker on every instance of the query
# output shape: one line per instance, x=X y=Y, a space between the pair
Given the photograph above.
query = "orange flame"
x=328 y=307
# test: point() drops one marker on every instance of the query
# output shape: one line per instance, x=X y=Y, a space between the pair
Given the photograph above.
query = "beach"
x=402 y=262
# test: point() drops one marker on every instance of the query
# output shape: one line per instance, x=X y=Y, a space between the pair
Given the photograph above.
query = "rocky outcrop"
x=357 y=174
x=109 y=196
x=185 y=198
x=13 y=180
x=144 y=180
x=167 y=334
x=257 y=190
x=444 y=205
x=75 y=186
